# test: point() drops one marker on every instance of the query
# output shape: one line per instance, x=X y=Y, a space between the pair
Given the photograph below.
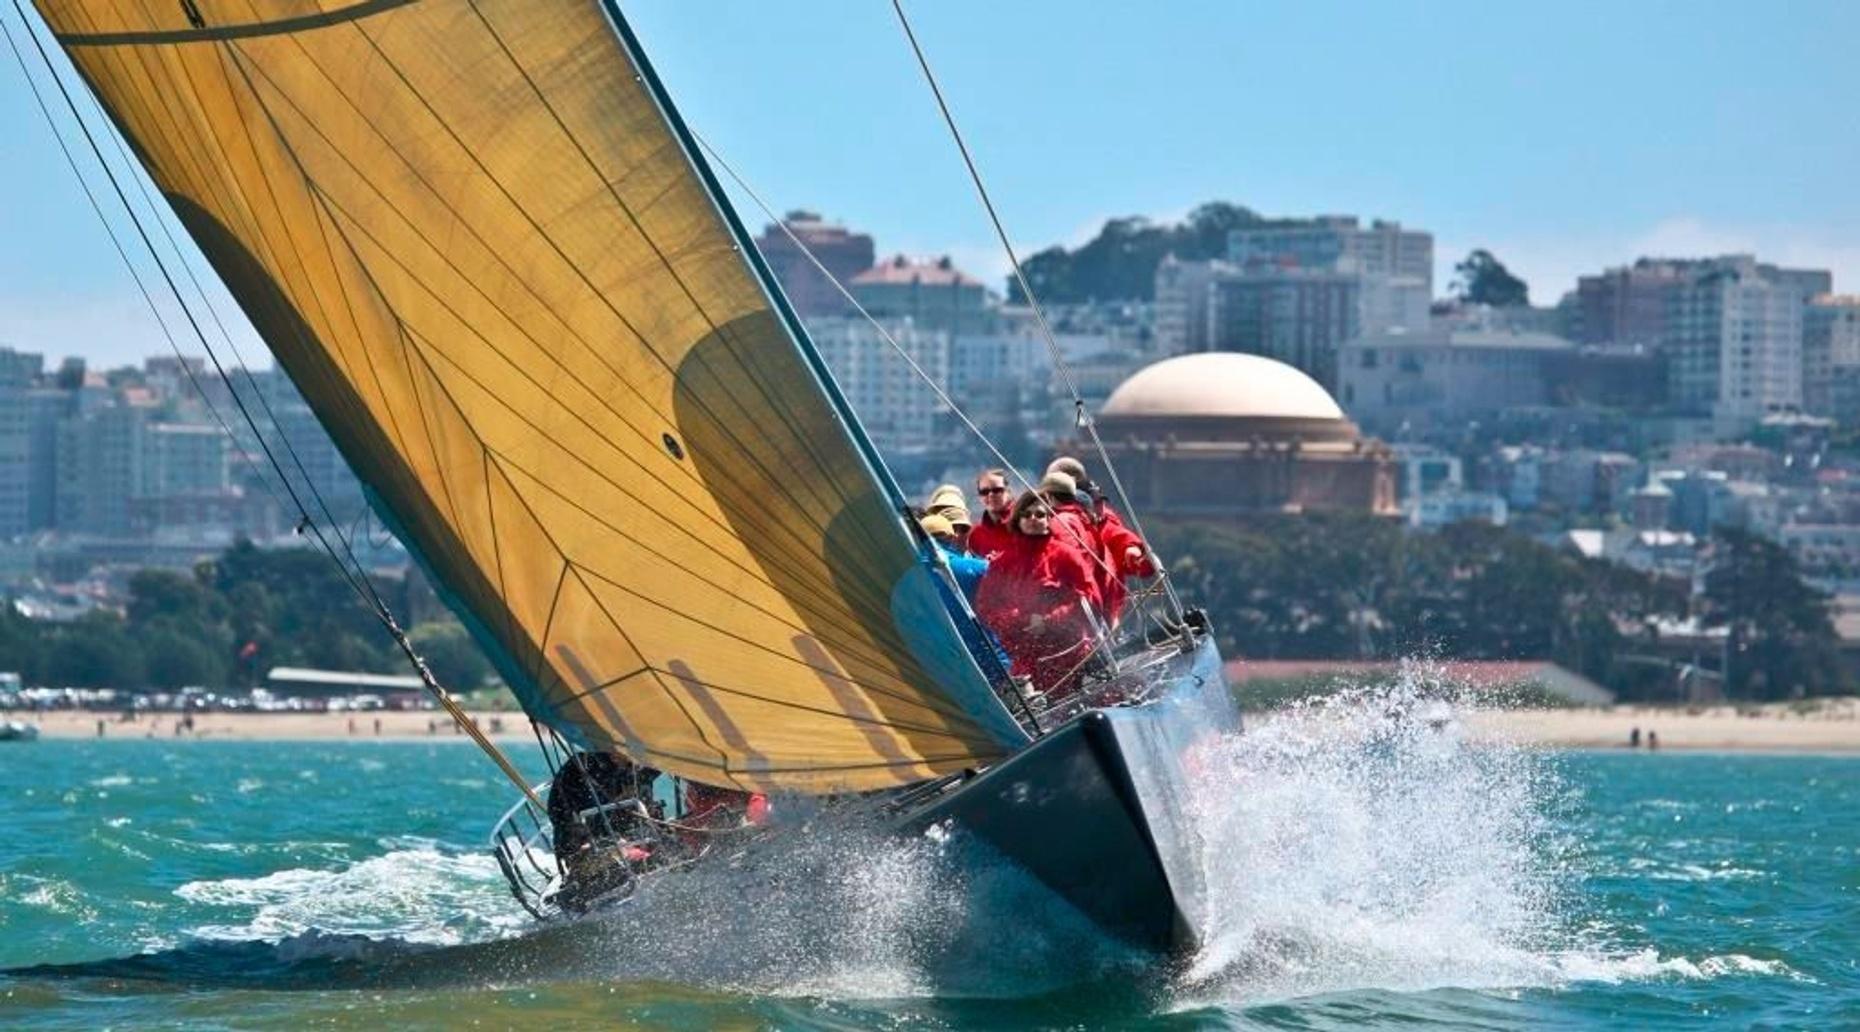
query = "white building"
x=1443 y=374
x=1831 y=358
x=185 y=458
x=1340 y=243
x=1735 y=344
x=1434 y=511
x=898 y=410
x=1182 y=292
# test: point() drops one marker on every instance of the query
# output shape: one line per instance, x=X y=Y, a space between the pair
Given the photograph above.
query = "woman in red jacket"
x=1036 y=596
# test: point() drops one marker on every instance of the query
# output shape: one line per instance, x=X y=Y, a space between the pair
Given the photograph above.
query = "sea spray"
x=1357 y=841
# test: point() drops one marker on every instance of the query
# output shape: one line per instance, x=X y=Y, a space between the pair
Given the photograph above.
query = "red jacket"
x=1049 y=577
x=988 y=538
x=1079 y=527
x=1119 y=539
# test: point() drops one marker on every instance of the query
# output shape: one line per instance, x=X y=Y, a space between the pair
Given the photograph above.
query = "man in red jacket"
x=989 y=535
x=1124 y=553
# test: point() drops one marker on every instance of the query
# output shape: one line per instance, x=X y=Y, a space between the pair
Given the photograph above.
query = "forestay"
x=481 y=247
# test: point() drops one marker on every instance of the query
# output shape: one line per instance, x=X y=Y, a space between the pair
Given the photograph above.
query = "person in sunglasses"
x=1037 y=597
x=991 y=534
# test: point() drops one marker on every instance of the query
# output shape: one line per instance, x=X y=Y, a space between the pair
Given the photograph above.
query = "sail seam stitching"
x=889 y=692
x=794 y=474
x=422 y=347
x=780 y=410
x=540 y=349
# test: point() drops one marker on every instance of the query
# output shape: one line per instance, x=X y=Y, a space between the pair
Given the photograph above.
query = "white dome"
x=1221 y=383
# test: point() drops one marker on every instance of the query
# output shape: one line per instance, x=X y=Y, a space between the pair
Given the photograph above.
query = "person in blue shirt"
x=968 y=569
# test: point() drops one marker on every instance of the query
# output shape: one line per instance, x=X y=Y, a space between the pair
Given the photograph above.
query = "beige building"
x=1222 y=434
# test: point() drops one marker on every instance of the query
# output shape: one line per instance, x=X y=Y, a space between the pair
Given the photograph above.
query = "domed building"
x=1222 y=433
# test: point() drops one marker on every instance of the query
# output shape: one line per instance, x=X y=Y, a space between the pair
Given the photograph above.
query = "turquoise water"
x=1363 y=871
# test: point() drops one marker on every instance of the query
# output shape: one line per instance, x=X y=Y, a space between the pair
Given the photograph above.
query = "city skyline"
x=1586 y=149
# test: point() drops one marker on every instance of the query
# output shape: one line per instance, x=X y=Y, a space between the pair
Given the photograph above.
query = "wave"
x=422 y=894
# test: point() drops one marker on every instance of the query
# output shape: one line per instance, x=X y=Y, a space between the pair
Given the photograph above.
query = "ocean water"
x=1366 y=869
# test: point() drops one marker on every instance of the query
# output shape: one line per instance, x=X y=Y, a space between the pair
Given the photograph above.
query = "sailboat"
x=483 y=244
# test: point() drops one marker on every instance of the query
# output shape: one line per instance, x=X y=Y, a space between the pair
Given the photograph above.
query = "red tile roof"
x=901 y=270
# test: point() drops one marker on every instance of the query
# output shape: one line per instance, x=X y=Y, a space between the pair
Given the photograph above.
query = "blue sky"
x=1565 y=137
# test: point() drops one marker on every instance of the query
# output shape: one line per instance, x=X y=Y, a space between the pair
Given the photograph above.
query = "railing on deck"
x=523 y=841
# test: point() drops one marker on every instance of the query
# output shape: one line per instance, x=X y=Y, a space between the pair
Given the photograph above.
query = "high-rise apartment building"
x=185 y=458
x=20 y=368
x=1338 y=242
x=1734 y=343
x=843 y=253
x=29 y=418
x=1831 y=357
x=1182 y=293
x=933 y=295
x=1630 y=305
x=1296 y=315
x=898 y=410
x=100 y=468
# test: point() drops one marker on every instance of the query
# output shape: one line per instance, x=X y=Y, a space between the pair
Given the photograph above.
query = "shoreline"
x=382 y=725
x=1825 y=726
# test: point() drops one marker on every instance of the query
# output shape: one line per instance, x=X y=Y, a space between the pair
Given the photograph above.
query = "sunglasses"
x=986 y=491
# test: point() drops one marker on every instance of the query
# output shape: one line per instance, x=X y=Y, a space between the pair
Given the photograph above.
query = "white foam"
x=1351 y=845
x=1648 y=965
x=421 y=895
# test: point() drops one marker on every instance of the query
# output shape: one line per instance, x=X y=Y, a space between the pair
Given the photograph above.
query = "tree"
x=1119 y=264
x=173 y=659
x=1780 y=639
x=1484 y=280
x=93 y=652
x=1342 y=586
x=451 y=654
x=164 y=594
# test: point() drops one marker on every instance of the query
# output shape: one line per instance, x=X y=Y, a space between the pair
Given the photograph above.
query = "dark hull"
x=1097 y=808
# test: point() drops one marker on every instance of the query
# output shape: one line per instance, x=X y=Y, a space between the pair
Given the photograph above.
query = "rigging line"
x=136 y=277
x=225 y=335
x=308 y=482
x=365 y=588
x=923 y=374
x=147 y=241
x=1026 y=289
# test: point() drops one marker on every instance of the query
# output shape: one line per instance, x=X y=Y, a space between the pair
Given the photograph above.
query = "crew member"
x=1035 y=596
x=1124 y=551
x=991 y=534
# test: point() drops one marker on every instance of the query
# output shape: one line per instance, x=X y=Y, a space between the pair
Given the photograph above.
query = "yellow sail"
x=477 y=240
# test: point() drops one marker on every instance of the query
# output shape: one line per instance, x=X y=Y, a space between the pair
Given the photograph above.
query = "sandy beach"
x=1831 y=725
x=1825 y=725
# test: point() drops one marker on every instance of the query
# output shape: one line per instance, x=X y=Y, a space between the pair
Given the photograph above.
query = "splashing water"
x=1357 y=841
